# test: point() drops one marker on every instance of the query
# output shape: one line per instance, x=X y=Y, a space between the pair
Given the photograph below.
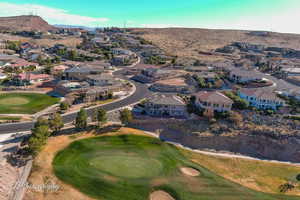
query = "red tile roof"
x=22 y=63
x=31 y=76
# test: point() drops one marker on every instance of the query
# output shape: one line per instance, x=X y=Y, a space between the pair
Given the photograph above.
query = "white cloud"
x=284 y=21
x=52 y=15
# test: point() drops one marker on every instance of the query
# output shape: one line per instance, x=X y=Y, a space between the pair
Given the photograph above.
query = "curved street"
x=140 y=93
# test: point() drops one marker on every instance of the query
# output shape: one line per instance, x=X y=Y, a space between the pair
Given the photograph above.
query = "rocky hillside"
x=24 y=23
x=198 y=43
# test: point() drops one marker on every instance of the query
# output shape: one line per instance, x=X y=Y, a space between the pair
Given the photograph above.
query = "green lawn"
x=25 y=103
x=130 y=167
x=9 y=118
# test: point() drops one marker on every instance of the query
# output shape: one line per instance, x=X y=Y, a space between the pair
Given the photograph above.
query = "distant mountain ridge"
x=25 y=23
x=74 y=27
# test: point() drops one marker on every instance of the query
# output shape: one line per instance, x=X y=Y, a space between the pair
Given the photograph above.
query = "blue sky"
x=272 y=15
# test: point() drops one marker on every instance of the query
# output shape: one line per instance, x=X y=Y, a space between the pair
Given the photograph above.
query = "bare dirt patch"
x=159 y=181
x=189 y=171
x=43 y=168
x=174 y=81
x=186 y=42
x=160 y=195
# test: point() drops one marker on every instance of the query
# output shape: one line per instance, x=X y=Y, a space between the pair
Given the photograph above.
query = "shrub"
x=64 y=106
x=221 y=115
x=126 y=116
x=293 y=117
x=298 y=177
x=235 y=118
x=286 y=187
x=269 y=112
x=238 y=102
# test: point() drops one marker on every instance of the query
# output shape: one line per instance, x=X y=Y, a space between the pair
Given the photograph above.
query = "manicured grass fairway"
x=24 y=103
x=130 y=167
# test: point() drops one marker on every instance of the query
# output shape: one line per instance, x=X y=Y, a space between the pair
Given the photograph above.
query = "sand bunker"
x=189 y=171
x=160 y=195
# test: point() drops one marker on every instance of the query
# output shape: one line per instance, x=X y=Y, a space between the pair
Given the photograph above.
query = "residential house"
x=162 y=105
x=208 y=76
x=101 y=39
x=32 y=78
x=5 y=60
x=292 y=93
x=96 y=94
x=214 y=100
x=80 y=73
x=291 y=71
x=120 y=51
x=261 y=98
x=121 y=60
x=59 y=69
x=25 y=47
x=65 y=87
x=21 y=64
x=150 y=75
x=244 y=76
x=101 y=80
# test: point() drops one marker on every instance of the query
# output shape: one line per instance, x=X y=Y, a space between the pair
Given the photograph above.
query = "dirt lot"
x=68 y=41
x=174 y=81
x=186 y=42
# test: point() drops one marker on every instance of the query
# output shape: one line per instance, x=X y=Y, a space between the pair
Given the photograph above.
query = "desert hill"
x=24 y=23
x=187 y=42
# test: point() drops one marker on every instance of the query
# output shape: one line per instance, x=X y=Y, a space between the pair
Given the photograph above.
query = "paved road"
x=280 y=83
x=140 y=93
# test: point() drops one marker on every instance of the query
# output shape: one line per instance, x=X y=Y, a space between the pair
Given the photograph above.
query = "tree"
x=56 y=122
x=72 y=55
x=41 y=121
x=64 y=106
x=110 y=95
x=101 y=117
x=81 y=119
x=126 y=116
x=13 y=45
x=39 y=136
x=238 y=102
x=201 y=82
x=57 y=59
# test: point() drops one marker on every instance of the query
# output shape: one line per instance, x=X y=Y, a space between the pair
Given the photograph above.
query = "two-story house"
x=163 y=105
x=214 y=100
x=80 y=73
x=100 y=80
x=261 y=98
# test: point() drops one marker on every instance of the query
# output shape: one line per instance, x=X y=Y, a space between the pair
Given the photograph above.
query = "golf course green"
x=131 y=167
x=25 y=103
